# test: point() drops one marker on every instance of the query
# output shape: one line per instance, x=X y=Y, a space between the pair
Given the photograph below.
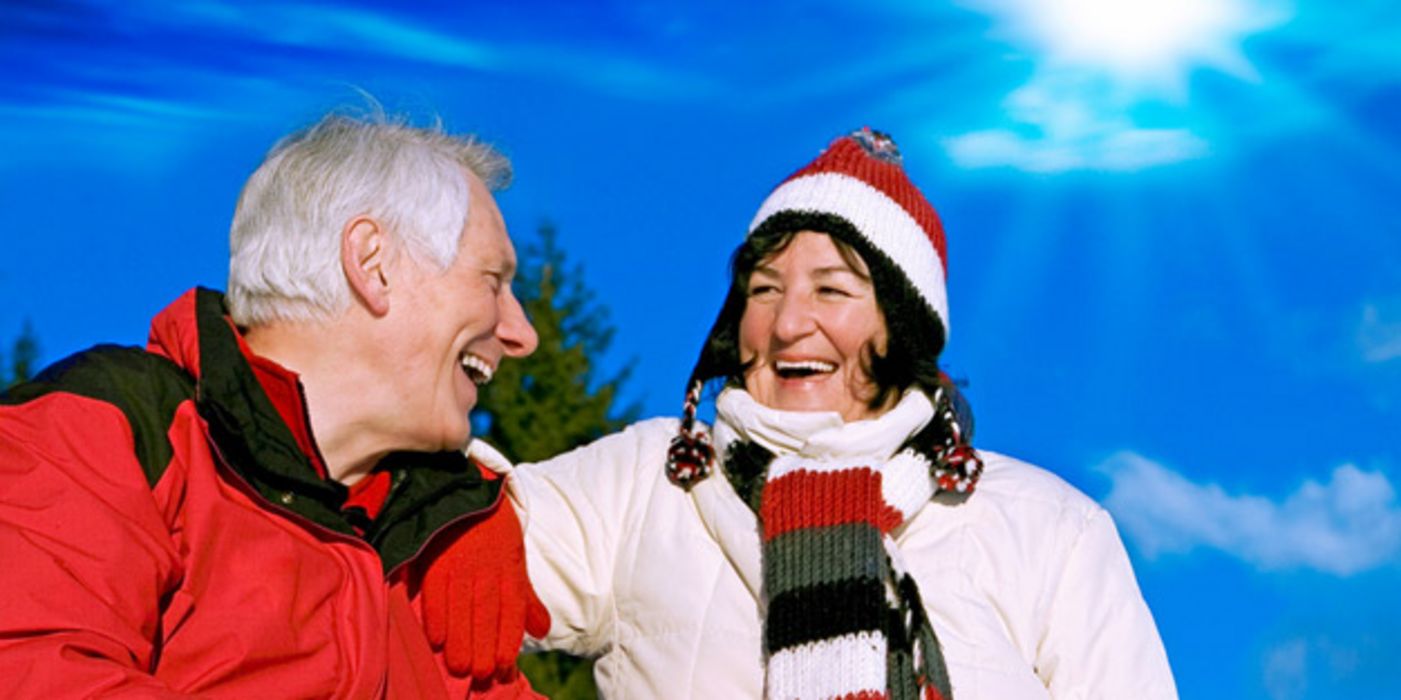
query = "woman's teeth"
x=477 y=369
x=793 y=370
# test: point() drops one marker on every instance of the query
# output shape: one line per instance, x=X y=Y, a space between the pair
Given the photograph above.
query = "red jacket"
x=162 y=534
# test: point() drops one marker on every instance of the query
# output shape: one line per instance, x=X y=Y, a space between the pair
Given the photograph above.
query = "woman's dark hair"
x=914 y=334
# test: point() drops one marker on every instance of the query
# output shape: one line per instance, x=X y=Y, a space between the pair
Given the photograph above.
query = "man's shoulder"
x=108 y=373
x=144 y=387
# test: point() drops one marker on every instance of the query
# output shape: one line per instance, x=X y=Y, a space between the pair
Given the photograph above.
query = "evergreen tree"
x=554 y=401
x=23 y=354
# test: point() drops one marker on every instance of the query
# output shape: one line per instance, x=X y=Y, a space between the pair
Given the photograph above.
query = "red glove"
x=477 y=598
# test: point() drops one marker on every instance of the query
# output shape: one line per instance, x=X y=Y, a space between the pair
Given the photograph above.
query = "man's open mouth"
x=477 y=369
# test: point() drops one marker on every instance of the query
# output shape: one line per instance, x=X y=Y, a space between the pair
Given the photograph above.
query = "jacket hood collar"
x=429 y=491
x=196 y=333
x=175 y=331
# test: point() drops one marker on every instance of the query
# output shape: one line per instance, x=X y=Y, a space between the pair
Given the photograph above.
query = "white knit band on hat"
x=859 y=180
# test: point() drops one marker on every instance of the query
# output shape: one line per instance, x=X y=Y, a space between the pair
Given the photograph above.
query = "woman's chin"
x=804 y=403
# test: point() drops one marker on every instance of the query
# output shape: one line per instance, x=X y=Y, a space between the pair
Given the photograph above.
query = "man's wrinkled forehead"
x=487 y=238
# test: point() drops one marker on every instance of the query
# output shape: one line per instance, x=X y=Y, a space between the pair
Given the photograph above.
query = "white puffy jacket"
x=1026 y=583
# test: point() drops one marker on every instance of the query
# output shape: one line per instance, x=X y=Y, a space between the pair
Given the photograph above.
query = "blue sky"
x=1175 y=247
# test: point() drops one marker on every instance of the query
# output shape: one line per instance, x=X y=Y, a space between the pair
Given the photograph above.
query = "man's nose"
x=517 y=336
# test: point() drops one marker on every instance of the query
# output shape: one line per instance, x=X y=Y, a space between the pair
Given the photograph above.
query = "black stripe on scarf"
x=823 y=612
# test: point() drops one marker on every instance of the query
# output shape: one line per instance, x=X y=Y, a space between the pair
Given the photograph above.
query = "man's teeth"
x=477 y=369
x=804 y=367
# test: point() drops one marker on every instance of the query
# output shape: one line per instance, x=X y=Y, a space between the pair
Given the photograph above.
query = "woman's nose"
x=793 y=318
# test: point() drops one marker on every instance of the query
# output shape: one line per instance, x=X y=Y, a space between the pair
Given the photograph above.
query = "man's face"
x=454 y=327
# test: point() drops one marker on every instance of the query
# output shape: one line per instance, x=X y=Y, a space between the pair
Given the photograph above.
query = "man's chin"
x=458 y=444
x=451 y=438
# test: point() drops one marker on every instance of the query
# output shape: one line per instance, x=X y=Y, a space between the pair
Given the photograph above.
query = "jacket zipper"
x=253 y=493
x=249 y=490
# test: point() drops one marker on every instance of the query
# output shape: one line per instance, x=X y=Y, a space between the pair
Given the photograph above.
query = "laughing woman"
x=835 y=535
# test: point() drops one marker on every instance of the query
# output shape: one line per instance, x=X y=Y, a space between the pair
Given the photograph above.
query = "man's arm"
x=87 y=554
x=475 y=590
x=575 y=509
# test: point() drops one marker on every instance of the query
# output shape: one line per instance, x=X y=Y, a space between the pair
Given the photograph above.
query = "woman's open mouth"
x=803 y=369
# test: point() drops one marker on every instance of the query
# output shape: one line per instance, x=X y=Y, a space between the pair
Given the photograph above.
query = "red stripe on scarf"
x=807 y=499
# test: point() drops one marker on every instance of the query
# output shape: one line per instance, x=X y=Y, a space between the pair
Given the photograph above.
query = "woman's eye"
x=761 y=289
x=833 y=291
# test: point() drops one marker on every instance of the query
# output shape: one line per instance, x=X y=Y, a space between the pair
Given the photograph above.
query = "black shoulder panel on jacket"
x=145 y=387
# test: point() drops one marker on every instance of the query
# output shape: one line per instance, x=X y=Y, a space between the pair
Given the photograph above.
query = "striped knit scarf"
x=844 y=618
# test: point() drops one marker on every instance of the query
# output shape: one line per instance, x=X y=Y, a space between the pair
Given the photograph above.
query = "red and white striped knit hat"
x=858 y=180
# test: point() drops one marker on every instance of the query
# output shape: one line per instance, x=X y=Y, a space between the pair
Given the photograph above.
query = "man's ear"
x=365 y=259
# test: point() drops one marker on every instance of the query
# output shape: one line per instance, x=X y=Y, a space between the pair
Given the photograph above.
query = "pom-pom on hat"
x=858 y=184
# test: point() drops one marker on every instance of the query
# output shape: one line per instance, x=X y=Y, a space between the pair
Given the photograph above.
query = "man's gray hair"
x=284 y=245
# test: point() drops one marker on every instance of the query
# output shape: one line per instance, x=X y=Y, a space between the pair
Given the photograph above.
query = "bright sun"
x=1152 y=41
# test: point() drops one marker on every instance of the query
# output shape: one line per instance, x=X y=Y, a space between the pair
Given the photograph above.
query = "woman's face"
x=808 y=318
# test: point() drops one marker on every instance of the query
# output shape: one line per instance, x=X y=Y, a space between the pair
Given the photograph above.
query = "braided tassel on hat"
x=955 y=465
x=691 y=456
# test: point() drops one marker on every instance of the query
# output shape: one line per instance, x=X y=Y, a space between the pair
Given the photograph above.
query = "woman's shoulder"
x=662 y=425
x=1014 y=482
x=1020 y=518
x=646 y=436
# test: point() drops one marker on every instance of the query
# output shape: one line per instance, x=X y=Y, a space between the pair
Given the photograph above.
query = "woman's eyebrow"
x=834 y=270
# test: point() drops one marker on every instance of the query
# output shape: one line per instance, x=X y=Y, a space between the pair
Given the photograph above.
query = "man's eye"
x=833 y=291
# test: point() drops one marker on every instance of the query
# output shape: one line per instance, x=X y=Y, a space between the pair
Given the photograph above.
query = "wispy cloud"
x=1350 y=524
x=130 y=56
x=1286 y=670
x=1062 y=122
x=1379 y=333
x=1335 y=662
x=1097 y=67
x=1361 y=45
x=410 y=39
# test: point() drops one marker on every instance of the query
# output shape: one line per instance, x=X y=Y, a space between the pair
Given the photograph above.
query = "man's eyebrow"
x=506 y=267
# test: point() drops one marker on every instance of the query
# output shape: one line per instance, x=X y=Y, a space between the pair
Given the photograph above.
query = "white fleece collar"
x=818 y=434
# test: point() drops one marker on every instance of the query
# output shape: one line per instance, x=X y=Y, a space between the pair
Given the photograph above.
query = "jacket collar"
x=428 y=491
x=244 y=425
